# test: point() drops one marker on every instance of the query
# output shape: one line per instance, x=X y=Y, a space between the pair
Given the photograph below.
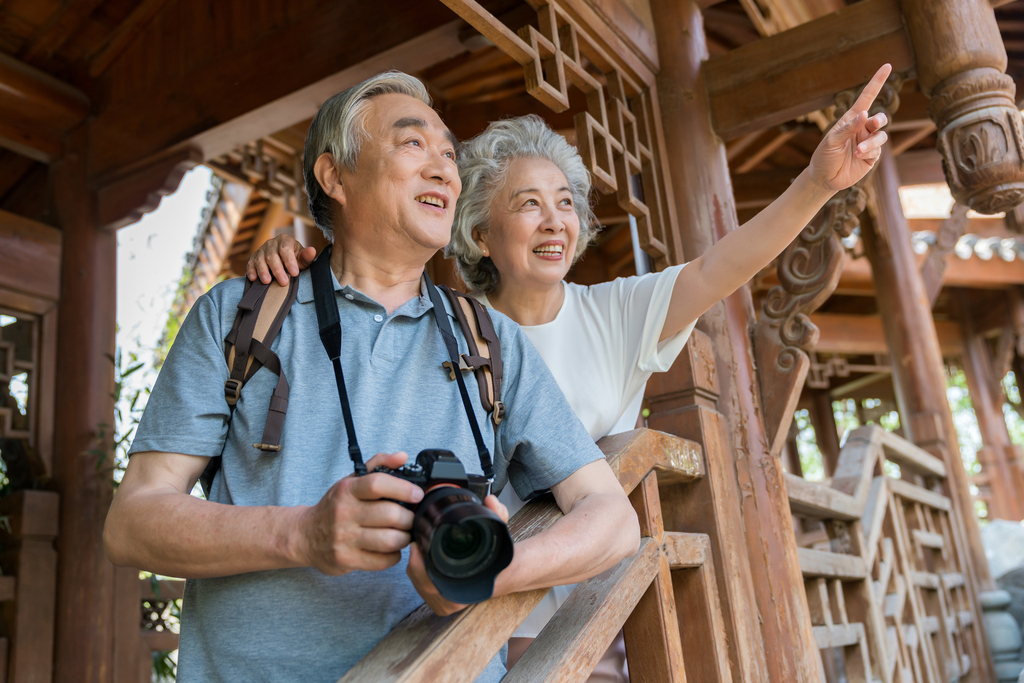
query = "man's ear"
x=326 y=172
x=481 y=242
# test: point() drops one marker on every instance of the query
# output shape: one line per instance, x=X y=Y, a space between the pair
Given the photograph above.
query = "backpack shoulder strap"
x=484 y=357
x=261 y=313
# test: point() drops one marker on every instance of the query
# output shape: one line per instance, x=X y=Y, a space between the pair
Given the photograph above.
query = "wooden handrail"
x=423 y=645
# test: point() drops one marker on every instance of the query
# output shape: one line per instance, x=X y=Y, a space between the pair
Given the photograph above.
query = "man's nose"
x=439 y=167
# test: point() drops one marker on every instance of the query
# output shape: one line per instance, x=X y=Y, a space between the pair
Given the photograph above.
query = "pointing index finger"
x=871 y=90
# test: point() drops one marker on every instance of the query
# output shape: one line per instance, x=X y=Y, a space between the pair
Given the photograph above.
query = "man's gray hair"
x=483 y=166
x=339 y=129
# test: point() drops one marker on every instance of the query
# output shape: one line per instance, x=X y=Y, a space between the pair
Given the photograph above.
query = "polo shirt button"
x=349 y=297
x=378 y=317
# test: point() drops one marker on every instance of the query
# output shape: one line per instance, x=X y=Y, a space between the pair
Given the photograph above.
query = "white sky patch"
x=933 y=200
x=150 y=256
x=6 y=320
x=19 y=390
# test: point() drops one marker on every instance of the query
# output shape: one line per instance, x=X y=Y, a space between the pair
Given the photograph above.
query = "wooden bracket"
x=138 y=190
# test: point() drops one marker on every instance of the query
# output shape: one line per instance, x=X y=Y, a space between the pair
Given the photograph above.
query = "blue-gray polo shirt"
x=299 y=624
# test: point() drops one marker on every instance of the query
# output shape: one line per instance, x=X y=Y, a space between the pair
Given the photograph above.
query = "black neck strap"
x=330 y=334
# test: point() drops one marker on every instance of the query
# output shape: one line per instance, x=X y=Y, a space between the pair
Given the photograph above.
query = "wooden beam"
x=252 y=92
x=29 y=256
x=36 y=110
x=863 y=335
x=800 y=70
x=63 y=24
x=781 y=138
x=127 y=30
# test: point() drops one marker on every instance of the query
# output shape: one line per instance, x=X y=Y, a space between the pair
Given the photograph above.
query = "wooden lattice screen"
x=889 y=597
x=619 y=134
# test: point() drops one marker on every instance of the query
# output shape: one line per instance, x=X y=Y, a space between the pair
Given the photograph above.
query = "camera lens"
x=464 y=548
x=464 y=544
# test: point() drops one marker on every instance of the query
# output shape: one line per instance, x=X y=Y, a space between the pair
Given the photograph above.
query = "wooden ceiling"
x=79 y=43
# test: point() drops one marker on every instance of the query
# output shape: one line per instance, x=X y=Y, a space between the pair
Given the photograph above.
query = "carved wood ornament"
x=981 y=139
x=617 y=135
x=808 y=271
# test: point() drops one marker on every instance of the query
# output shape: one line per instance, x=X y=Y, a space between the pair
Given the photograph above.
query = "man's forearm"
x=594 y=536
x=175 y=534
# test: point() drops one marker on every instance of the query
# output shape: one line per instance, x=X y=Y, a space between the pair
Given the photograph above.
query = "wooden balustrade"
x=887 y=592
x=672 y=574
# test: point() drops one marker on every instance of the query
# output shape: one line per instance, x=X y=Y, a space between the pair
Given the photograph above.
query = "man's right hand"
x=279 y=257
x=357 y=524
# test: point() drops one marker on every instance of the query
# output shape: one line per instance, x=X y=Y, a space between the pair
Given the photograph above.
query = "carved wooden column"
x=703 y=193
x=998 y=450
x=960 y=64
x=917 y=366
x=84 y=643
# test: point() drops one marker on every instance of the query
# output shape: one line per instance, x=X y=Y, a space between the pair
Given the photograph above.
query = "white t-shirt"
x=602 y=347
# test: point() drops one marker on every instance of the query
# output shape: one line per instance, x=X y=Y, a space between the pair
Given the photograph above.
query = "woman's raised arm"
x=846 y=153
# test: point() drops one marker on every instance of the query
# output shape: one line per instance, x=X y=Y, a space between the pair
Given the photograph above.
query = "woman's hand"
x=279 y=257
x=854 y=143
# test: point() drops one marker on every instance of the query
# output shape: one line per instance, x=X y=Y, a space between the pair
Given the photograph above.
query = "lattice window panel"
x=617 y=135
x=19 y=343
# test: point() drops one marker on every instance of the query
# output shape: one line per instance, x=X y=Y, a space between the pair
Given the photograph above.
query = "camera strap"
x=330 y=335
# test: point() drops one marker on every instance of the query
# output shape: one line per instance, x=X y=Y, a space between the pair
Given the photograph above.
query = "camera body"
x=436 y=467
x=464 y=544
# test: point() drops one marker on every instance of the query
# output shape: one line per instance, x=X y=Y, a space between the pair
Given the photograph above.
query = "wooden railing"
x=671 y=575
x=887 y=589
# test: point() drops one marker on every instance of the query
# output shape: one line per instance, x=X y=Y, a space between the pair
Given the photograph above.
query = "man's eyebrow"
x=416 y=122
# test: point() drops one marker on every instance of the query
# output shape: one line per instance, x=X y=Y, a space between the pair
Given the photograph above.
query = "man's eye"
x=414 y=142
x=450 y=154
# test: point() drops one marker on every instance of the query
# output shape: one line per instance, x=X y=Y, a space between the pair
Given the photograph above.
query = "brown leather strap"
x=484 y=355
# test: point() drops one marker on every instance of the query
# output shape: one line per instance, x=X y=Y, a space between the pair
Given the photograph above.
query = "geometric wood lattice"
x=889 y=595
x=617 y=135
x=18 y=363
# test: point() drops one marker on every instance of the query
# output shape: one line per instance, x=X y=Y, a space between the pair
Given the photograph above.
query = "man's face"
x=406 y=182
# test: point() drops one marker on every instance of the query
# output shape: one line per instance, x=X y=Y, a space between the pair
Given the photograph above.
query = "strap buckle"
x=232 y=391
x=498 y=414
x=463 y=366
x=267 y=447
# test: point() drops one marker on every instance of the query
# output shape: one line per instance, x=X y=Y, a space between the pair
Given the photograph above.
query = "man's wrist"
x=289 y=538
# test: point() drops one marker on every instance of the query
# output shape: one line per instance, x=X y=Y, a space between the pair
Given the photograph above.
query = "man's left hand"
x=417 y=570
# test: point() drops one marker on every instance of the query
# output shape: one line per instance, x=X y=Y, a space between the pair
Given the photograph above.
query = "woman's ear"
x=326 y=173
x=478 y=238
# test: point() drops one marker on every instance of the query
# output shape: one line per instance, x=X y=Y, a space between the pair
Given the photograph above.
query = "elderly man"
x=296 y=567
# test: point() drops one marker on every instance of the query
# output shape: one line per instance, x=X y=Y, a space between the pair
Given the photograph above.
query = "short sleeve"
x=644 y=303
x=186 y=412
x=541 y=441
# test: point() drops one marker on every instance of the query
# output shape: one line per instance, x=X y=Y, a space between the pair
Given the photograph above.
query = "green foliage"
x=112 y=442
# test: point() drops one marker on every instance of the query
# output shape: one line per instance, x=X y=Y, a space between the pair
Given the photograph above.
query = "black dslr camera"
x=465 y=545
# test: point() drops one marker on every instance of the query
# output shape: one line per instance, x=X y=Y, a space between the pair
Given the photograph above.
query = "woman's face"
x=533 y=228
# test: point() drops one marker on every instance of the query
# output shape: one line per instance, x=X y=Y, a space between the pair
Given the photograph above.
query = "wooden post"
x=703 y=193
x=824 y=421
x=995 y=436
x=85 y=344
x=683 y=403
x=28 y=556
x=917 y=367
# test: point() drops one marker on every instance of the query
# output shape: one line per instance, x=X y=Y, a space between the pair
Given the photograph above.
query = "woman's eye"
x=530 y=202
x=567 y=202
x=450 y=154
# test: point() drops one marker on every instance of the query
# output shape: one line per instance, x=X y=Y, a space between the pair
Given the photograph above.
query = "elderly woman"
x=522 y=220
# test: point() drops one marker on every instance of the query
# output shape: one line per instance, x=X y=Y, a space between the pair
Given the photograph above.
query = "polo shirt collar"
x=305 y=294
